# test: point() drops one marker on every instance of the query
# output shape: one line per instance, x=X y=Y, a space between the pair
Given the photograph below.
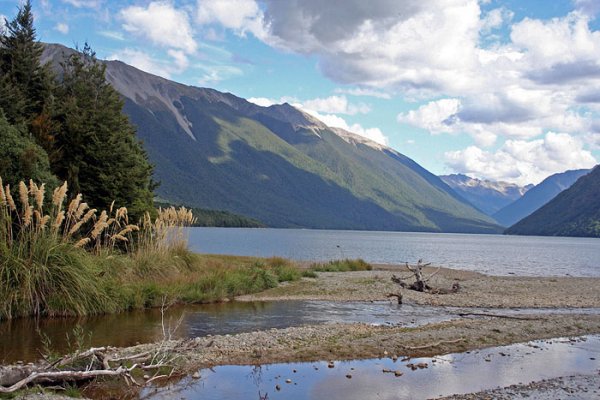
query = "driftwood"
x=524 y=318
x=95 y=364
x=61 y=376
x=92 y=363
x=398 y=296
x=421 y=283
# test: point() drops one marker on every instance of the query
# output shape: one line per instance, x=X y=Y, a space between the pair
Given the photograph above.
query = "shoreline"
x=353 y=341
x=478 y=290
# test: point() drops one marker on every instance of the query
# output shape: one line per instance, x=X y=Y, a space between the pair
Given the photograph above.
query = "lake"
x=491 y=254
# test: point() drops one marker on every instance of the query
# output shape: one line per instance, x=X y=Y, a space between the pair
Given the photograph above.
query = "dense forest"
x=67 y=126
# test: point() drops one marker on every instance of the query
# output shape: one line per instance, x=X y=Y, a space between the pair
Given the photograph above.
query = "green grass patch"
x=67 y=281
x=344 y=265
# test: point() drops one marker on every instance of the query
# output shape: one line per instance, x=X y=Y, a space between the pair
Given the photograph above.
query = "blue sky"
x=504 y=90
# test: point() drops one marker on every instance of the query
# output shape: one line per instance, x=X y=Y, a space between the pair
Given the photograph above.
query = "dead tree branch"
x=421 y=283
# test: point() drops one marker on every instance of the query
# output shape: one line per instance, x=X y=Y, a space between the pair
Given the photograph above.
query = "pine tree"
x=25 y=84
x=21 y=158
x=99 y=153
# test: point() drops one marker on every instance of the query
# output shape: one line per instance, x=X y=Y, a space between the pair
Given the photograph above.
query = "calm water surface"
x=449 y=374
x=492 y=254
x=20 y=339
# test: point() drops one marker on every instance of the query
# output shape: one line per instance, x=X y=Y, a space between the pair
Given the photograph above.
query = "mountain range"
x=487 y=196
x=537 y=196
x=573 y=212
x=278 y=164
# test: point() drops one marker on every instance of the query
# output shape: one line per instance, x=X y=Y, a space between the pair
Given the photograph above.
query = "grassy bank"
x=61 y=258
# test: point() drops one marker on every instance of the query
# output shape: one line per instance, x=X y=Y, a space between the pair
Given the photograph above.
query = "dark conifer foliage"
x=21 y=158
x=73 y=126
x=25 y=84
x=99 y=154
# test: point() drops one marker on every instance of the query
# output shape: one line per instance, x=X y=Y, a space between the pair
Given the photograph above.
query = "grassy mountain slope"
x=537 y=196
x=279 y=165
x=574 y=212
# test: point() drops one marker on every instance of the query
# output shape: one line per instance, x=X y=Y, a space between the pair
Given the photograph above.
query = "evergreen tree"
x=21 y=158
x=25 y=84
x=99 y=153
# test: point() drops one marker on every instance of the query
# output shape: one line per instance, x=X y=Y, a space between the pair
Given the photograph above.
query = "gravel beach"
x=477 y=290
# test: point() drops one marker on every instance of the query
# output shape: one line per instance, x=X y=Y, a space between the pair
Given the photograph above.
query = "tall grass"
x=344 y=265
x=57 y=258
x=60 y=258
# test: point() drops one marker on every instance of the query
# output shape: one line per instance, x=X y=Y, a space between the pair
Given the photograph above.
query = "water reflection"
x=445 y=375
x=20 y=340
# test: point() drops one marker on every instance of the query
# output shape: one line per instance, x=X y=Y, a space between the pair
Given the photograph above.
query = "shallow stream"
x=23 y=339
x=364 y=379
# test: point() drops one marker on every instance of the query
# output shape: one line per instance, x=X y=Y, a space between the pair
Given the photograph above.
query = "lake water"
x=492 y=254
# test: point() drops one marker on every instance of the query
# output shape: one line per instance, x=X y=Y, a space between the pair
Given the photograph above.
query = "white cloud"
x=212 y=74
x=240 y=16
x=336 y=105
x=334 y=121
x=331 y=120
x=84 y=3
x=112 y=35
x=261 y=101
x=62 y=28
x=364 y=92
x=589 y=7
x=161 y=23
x=523 y=162
x=180 y=59
x=143 y=61
x=495 y=19
x=433 y=116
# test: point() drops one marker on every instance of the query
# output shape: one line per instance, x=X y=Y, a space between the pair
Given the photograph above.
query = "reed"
x=60 y=258
x=54 y=257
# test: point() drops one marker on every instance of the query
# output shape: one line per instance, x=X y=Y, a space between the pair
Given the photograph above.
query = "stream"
x=444 y=375
x=23 y=339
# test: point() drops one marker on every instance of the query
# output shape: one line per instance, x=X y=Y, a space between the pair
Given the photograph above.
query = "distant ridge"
x=537 y=196
x=573 y=212
x=278 y=164
x=487 y=196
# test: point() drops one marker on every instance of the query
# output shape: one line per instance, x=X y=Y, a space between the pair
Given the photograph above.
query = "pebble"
x=398 y=373
x=288 y=381
x=349 y=376
x=277 y=387
x=146 y=377
x=330 y=365
x=196 y=375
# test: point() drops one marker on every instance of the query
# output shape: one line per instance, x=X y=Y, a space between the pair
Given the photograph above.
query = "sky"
x=496 y=89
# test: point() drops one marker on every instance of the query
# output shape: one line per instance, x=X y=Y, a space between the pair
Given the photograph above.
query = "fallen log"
x=60 y=376
x=524 y=318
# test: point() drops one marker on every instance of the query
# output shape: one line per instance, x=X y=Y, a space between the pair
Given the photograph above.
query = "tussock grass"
x=344 y=265
x=59 y=259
